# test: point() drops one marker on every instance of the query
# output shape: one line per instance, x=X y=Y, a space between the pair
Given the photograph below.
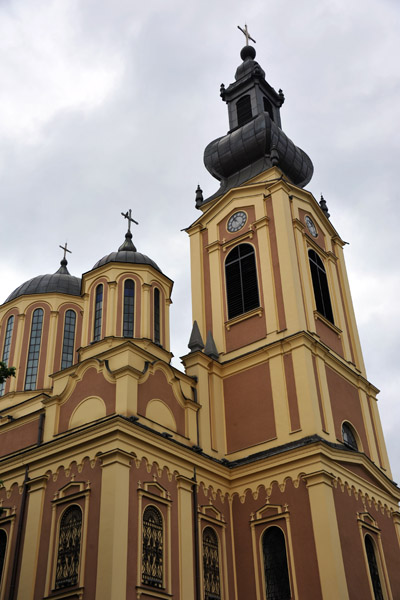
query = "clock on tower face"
x=237 y=221
x=310 y=226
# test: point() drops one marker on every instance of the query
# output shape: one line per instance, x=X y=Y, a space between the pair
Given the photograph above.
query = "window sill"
x=256 y=311
x=151 y=591
x=66 y=594
x=320 y=317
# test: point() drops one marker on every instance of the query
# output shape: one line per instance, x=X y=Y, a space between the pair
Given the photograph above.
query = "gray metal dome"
x=61 y=282
x=127 y=254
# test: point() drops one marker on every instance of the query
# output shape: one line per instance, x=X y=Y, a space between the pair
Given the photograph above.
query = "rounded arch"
x=69 y=546
x=276 y=570
x=350 y=436
x=241 y=280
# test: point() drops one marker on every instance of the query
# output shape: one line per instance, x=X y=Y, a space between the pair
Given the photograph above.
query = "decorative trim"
x=251 y=313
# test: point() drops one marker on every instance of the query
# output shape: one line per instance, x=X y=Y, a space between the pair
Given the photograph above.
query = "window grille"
x=320 y=285
x=349 y=437
x=129 y=305
x=34 y=349
x=275 y=565
x=243 y=110
x=373 y=568
x=67 y=357
x=212 y=589
x=153 y=548
x=3 y=547
x=69 y=547
x=241 y=280
x=98 y=311
x=156 y=315
x=6 y=349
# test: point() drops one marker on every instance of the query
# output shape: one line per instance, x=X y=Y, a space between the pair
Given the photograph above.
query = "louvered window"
x=152 y=548
x=67 y=358
x=241 y=280
x=34 y=349
x=373 y=568
x=268 y=108
x=98 y=313
x=129 y=306
x=69 y=548
x=3 y=547
x=320 y=285
x=156 y=315
x=275 y=565
x=6 y=348
x=243 y=108
x=212 y=589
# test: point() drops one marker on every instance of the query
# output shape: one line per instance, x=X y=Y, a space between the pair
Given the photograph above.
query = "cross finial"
x=247 y=35
x=128 y=215
x=65 y=250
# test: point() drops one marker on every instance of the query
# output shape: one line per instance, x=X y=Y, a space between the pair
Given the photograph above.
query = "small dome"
x=127 y=254
x=61 y=283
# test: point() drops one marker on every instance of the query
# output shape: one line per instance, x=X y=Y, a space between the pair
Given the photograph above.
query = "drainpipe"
x=18 y=540
x=196 y=535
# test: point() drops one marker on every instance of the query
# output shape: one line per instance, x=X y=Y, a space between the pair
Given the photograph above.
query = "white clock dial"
x=237 y=221
x=310 y=226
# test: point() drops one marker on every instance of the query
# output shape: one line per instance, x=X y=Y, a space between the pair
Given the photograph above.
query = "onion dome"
x=60 y=282
x=255 y=141
x=127 y=253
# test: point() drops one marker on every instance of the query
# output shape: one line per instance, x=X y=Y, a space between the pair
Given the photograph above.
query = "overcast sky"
x=106 y=106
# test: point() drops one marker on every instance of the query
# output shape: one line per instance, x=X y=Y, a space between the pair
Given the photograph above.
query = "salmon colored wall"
x=157 y=386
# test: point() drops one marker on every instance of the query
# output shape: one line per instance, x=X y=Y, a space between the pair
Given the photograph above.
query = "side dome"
x=127 y=253
x=61 y=282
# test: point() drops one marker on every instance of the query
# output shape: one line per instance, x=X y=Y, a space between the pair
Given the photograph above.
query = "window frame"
x=262 y=538
x=7 y=346
x=69 y=310
x=33 y=386
x=62 y=516
x=98 y=313
x=320 y=286
x=247 y=306
x=7 y=524
x=157 y=315
x=358 y=446
x=125 y=313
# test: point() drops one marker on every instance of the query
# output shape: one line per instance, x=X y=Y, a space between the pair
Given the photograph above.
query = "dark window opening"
x=241 y=280
x=69 y=548
x=348 y=436
x=275 y=565
x=34 y=349
x=268 y=108
x=373 y=568
x=3 y=547
x=98 y=312
x=243 y=110
x=129 y=306
x=152 y=548
x=212 y=587
x=6 y=348
x=320 y=285
x=157 y=338
x=67 y=358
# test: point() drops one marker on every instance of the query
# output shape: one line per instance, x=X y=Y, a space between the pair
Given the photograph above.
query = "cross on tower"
x=128 y=215
x=65 y=250
x=248 y=37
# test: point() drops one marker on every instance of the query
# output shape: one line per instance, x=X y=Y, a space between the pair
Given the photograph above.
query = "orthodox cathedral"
x=258 y=471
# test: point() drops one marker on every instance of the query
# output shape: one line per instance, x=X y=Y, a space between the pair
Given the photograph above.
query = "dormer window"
x=243 y=110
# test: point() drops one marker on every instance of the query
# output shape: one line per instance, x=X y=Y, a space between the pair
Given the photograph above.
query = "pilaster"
x=186 y=542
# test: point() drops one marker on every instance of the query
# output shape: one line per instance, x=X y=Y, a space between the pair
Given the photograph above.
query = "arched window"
x=98 y=313
x=3 y=547
x=373 y=568
x=69 y=548
x=212 y=588
x=6 y=347
x=241 y=280
x=129 y=305
x=34 y=349
x=153 y=548
x=275 y=565
x=320 y=285
x=156 y=315
x=349 y=437
x=243 y=110
x=67 y=357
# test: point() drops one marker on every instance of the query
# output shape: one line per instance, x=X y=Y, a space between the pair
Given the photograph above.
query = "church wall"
x=328 y=336
x=280 y=305
x=20 y=436
x=11 y=503
x=157 y=387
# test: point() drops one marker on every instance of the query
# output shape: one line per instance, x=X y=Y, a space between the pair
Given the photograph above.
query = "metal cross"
x=248 y=37
x=128 y=215
x=65 y=250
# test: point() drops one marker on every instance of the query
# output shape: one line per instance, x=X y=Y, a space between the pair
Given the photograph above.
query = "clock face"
x=311 y=227
x=237 y=221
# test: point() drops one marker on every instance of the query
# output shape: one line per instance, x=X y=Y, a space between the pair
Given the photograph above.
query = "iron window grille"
x=34 y=349
x=320 y=285
x=67 y=357
x=3 y=547
x=275 y=565
x=152 y=548
x=373 y=568
x=69 y=548
x=7 y=346
x=212 y=585
x=241 y=280
x=129 y=306
x=98 y=312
